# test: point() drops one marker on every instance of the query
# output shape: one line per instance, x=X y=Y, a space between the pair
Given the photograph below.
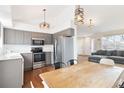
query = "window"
x=113 y=42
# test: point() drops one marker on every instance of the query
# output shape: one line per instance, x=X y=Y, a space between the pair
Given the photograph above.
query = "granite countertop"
x=11 y=56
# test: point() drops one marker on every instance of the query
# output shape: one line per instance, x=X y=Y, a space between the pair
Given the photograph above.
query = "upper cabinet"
x=36 y=35
x=13 y=37
x=24 y=37
x=46 y=37
x=19 y=37
x=1 y=35
x=27 y=38
x=9 y=36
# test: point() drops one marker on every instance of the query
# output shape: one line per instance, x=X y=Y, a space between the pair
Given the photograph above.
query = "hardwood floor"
x=32 y=79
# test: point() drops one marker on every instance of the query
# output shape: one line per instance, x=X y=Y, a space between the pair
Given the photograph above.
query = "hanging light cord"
x=44 y=14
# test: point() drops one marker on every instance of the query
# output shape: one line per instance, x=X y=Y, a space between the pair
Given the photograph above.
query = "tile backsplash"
x=16 y=49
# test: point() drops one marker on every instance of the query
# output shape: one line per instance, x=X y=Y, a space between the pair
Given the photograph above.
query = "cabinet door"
x=19 y=37
x=27 y=38
x=10 y=36
x=28 y=62
x=1 y=35
x=36 y=35
x=48 y=58
x=48 y=39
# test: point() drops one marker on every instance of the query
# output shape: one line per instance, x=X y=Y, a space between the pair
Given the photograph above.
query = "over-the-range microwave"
x=38 y=41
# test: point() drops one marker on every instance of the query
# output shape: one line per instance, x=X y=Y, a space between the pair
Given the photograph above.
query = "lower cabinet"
x=28 y=62
x=11 y=73
x=48 y=58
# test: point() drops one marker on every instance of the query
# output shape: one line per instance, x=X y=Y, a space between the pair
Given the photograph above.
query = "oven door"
x=38 y=57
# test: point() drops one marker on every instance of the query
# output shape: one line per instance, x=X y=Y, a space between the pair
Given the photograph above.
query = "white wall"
x=84 y=45
x=80 y=46
x=5 y=15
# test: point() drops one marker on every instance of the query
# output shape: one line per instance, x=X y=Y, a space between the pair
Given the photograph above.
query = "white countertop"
x=11 y=56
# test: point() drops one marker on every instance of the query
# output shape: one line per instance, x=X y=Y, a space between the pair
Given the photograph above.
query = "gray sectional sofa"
x=116 y=55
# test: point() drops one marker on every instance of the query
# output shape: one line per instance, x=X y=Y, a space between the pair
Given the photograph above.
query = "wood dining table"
x=83 y=75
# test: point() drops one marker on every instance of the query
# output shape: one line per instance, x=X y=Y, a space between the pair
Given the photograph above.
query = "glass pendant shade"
x=44 y=25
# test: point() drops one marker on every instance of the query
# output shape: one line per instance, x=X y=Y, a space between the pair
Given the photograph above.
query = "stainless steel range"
x=39 y=57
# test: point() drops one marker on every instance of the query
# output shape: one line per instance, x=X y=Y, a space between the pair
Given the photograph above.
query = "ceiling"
x=33 y=14
x=105 y=18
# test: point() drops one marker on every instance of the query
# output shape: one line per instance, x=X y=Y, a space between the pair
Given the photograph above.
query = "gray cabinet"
x=18 y=37
x=27 y=38
x=36 y=35
x=28 y=62
x=48 y=58
x=11 y=73
x=1 y=35
x=9 y=37
x=12 y=36
x=47 y=39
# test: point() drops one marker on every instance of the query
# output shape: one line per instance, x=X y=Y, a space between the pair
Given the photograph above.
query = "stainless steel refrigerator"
x=63 y=48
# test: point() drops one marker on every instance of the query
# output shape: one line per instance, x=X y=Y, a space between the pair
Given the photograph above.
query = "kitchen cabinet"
x=1 y=35
x=48 y=39
x=18 y=37
x=11 y=73
x=48 y=58
x=36 y=35
x=28 y=62
x=10 y=37
x=13 y=37
x=27 y=38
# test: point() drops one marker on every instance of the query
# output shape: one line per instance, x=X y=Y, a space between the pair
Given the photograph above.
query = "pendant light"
x=44 y=24
x=79 y=15
x=90 y=24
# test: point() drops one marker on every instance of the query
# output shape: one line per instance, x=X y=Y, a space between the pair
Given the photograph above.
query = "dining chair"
x=72 y=62
x=59 y=65
x=107 y=61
